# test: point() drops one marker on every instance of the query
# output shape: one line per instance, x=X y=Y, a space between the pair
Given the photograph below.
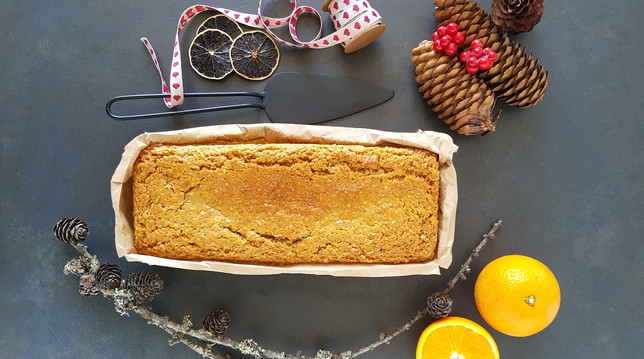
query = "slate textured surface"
x=566 y=177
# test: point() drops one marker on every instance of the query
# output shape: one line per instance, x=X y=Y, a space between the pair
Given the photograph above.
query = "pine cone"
x=461 y=100
x=87 y=285
x=439 y=305
x=108 y=276
x=517 y=15
x=144 y=286
x=217 y=322
x=516 y=77
x=71 y=230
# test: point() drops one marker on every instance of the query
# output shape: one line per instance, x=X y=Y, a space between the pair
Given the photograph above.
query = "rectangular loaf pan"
x=439 y=143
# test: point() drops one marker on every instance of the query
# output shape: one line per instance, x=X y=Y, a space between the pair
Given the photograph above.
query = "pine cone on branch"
x=439 y=305
x=87 y=285
x=516 y=77
x=517 y=15
x=71 y=230
x=144 y=286
x=217 y=322
x=461 y=100
x=108 y=276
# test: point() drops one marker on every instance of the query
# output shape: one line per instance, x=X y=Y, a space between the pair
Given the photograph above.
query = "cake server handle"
x=108 y=106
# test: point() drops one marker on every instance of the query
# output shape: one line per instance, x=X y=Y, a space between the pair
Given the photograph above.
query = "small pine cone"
x=144 y=286
x=516 y=77
x=108 y=276
x=217 y=322
x=439 y=305
x=71 y=230
x=517 y=15
x=461 y=100
x=87 y=285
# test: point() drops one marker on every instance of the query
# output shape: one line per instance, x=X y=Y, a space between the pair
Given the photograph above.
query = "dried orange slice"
x=223 y=23
x=210 y=54
x=517 y=295
x=254 y=55
x=456 y=338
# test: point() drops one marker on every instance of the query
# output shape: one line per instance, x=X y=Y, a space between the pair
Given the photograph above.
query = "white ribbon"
x=351 y=18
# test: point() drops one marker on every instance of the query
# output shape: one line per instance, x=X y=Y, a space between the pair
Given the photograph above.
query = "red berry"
x=451 y=49
x=472 y=62
x=452 y=28
x=458 y=38
x=477 y=43
x=486 y=51
x=441 y=31
x=435 y=36
x=437 y=46
x=465 y=55
x=492 y=55
x=477 y=52
x=483 y=62
x=471 y=70
x=446 y=40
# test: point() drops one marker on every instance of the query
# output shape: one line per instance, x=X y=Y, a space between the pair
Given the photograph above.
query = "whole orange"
x=517 y=295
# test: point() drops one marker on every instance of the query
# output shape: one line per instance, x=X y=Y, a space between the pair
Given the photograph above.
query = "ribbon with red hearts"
x=350 y=18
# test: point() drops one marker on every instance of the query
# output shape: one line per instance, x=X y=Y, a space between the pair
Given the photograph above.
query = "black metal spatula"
x=289 y=97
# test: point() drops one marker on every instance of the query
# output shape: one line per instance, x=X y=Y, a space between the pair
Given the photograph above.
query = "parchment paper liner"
x=121 y=189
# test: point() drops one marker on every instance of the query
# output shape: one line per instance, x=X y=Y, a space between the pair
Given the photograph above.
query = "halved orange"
x=456 y=338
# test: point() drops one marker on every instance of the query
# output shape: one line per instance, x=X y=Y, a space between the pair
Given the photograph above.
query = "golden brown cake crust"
x=286 y=204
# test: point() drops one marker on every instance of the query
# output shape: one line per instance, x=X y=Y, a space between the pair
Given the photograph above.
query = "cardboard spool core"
x=363 y=39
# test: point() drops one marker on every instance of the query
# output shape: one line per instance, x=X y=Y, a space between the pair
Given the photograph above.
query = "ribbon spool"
x=368 y=35
x=357 y=24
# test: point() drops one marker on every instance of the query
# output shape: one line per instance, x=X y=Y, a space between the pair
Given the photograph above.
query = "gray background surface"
x=566 y=177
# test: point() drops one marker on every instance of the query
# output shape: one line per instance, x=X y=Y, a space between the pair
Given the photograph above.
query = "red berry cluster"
x=447 y=38
x=478 y=58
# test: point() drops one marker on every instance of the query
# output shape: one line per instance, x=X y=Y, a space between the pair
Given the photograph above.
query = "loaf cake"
x=285 y=204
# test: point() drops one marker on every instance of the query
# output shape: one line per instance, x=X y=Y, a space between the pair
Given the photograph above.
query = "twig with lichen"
x=130 y=295
x=203 y=350
x=439 y=304
x=465 y=268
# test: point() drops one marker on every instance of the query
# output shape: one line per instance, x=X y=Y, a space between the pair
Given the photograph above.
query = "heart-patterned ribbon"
x=351 y=18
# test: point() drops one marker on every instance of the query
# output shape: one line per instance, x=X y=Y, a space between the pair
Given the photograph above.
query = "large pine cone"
x=71 y=230
x=108 y=276
x=516 y=77
x=461 y=100
x=517 y=15
x=144 y=286
x=217 y=322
